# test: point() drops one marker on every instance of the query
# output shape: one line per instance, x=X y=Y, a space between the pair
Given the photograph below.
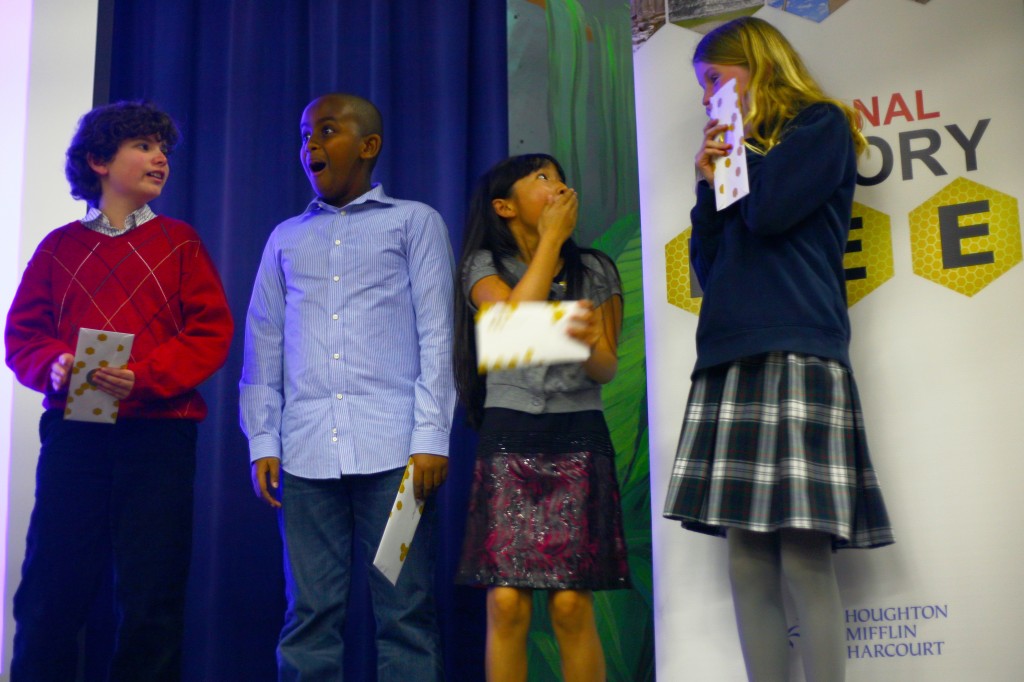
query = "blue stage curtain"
x=236 y=74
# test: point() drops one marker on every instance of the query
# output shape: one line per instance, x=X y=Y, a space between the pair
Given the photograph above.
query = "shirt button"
x=339 y=396
x=334 y=430
x=337 y=356
x=343 y=212
x=334 y=316
x=337 y=242
x=336 y=278
x=536 y=401
x=334 y=440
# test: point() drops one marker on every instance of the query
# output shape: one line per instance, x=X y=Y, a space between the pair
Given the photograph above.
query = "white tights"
x=758 y=565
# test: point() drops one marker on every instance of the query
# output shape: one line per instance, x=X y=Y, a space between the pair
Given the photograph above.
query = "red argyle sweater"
x=156 y=282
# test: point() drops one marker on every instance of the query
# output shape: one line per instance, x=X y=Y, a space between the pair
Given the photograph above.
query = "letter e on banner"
x=965 y=236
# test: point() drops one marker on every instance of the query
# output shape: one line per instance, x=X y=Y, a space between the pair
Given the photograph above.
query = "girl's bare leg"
x=572 y=617
x=508 y=623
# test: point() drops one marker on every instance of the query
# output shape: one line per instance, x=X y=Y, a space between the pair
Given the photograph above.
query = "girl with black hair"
x=544 y=510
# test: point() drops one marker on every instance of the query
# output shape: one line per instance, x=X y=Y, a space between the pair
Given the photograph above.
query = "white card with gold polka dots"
x=510 y=335
x=400 y=529
x=96 y=348
x=731 y=183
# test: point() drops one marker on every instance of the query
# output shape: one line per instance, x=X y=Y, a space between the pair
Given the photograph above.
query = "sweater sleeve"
x=800 y=173
x=31 y=332
x=708 y=224
x=187 y=359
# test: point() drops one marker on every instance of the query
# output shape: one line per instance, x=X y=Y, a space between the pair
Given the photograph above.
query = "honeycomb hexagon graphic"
x=868 y=260
x=965 y=236
x=680 y=280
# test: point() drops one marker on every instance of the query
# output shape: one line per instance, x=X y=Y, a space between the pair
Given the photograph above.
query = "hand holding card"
x=95 y=349
x=510 y=335
x=731 y=183
x=400 y=529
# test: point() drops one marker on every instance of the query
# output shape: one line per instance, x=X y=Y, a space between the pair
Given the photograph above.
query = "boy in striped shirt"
x=347 y=376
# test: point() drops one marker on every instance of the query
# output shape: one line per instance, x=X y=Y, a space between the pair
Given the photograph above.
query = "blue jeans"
x=320 y=520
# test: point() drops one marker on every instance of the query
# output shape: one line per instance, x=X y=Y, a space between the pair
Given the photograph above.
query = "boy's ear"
x=370 y=146
x=504 y=208
x=100 y=168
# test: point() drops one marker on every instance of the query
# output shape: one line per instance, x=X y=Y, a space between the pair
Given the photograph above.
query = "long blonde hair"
x=780 y=85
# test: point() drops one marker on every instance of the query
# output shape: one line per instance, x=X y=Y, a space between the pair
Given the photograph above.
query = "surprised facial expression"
x=530 y=194
x=336 y=156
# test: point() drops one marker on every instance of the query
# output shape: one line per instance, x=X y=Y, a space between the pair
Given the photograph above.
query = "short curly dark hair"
x=100 y=134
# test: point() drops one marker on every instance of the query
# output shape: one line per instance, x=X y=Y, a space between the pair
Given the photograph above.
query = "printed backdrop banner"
x=936 y=289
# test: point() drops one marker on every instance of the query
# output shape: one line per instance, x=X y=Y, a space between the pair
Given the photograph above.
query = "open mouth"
x=156 y=174
x=317 y=166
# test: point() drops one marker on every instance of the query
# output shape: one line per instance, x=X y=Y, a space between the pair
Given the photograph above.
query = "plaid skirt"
x=544 y=510
x=777 y=441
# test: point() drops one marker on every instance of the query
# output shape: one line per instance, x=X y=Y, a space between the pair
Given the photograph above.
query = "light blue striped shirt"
x=348 y=339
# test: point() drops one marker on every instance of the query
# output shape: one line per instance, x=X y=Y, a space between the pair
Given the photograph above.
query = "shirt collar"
x=375 y=195
x=97 y=222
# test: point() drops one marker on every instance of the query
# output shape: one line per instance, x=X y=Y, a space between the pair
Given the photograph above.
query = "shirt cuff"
x=262 y=446
x=429 y=443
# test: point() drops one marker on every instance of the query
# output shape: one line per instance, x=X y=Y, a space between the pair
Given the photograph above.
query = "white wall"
x=941 y=373
x=53 y=43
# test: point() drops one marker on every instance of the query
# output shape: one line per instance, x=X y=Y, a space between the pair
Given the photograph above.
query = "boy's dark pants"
x=119 y=492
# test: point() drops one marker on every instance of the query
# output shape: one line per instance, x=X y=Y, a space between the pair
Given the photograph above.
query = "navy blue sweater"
x=771 y=265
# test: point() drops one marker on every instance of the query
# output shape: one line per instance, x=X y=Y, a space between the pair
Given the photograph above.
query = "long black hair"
x=487 y=231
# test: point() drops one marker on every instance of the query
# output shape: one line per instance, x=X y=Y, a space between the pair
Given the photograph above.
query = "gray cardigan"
x=545 y=389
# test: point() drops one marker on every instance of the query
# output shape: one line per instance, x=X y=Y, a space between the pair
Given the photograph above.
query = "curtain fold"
x=236 y=74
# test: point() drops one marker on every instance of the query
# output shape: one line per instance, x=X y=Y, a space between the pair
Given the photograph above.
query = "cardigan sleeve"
x=800 y=173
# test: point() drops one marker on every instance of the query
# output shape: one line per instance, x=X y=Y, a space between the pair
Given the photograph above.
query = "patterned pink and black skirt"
x=544 y=509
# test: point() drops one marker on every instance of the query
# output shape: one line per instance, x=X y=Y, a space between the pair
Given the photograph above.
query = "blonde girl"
x=773 y=454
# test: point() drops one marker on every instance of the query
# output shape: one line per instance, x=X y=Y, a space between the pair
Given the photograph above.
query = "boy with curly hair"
x=119 y=491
